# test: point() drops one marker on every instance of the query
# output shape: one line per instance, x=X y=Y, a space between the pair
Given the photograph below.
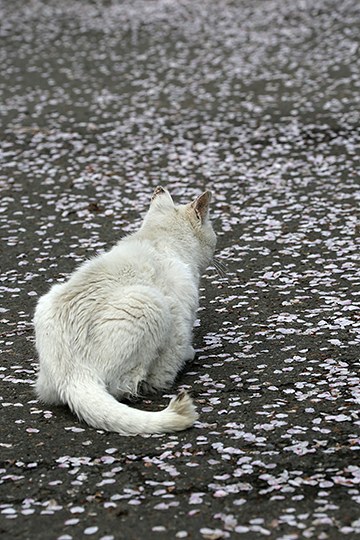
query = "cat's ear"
x=161 y=198
x=201 y=206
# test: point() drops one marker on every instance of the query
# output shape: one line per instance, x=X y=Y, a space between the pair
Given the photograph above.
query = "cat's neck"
x=183 y=250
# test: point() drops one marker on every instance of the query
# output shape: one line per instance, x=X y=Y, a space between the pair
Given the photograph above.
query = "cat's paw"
x=147 y=389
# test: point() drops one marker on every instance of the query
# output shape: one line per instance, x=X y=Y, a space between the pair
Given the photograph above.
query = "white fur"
x=124 y=320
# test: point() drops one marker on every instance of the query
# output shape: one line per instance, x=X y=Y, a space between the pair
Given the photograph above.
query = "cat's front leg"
x=191 y=354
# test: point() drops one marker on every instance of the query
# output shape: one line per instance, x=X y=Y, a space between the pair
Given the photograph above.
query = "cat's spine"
x=91 y=402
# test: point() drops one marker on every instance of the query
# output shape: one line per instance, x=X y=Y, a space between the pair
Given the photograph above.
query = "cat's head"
x=186 y=226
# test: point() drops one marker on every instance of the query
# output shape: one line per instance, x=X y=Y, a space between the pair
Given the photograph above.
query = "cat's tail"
x=91 y=402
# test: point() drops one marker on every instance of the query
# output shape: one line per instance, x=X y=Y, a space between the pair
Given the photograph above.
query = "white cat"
x=123 y=321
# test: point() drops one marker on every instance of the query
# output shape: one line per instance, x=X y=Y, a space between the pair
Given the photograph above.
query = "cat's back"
x=126 y=265
x=113 y=275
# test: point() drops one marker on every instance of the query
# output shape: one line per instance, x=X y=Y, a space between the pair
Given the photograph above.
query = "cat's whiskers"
x=220 y=267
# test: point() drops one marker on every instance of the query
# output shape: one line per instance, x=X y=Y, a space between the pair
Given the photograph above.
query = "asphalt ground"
x=258 y=101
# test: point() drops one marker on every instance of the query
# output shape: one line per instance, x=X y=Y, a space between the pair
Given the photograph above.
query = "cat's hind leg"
x=131 y=331
x=171 y=360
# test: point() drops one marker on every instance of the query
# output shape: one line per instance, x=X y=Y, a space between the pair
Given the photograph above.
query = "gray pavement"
x=258 y=101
